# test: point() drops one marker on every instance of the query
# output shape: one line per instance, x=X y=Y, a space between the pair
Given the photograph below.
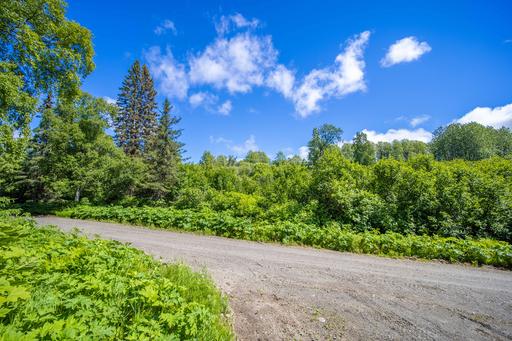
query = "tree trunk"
x=77 y=195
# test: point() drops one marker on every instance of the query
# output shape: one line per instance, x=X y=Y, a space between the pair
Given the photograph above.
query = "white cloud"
x=416 y=121
x=204 y=99
x=303 y=152
x=225 y=108
x=282 y=80
x=398 y=134
x=244 y=148
x=109 y=100
x=172 y=75
x=237 y=20
x=166 y=25
x=495 y=117
x=405 y=50
x=344 y=77
x=236 y=64
x=220 y=139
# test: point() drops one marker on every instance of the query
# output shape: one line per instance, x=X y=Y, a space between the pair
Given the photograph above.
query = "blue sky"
x=261 y=75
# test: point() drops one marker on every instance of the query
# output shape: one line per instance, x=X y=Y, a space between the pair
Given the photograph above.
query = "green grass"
x=475 y=251
x=55 y=285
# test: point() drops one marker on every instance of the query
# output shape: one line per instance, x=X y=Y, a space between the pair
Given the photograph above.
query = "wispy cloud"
x=205 y=99
x=220 y=139
x=405 y=50
x=225 y=108
x=227 y=23
x=166 y=26
x=416 y=121
x=172 y=76
x=244 y=148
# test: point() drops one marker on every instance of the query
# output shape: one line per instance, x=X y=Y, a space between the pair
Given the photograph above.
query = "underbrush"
x=475 y=251
x=55 y=285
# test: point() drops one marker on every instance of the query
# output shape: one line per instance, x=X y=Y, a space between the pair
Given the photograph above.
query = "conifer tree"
x=135 y=124
x=164 y=154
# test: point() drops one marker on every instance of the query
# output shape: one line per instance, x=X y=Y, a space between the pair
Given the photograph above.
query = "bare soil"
x=297 y=293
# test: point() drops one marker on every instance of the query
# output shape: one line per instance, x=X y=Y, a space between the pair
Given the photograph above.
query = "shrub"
x=476 y=251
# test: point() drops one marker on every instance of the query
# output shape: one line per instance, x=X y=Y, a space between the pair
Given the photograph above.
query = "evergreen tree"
x=164 y=154
x=136 y=122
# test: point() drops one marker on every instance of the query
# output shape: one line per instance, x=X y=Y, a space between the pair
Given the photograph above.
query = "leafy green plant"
x=64 y=286
x=451 y=249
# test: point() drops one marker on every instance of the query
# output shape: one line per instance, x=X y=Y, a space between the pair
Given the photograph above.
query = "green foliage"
x=363 y=150
x=71 y=156
x=471 y=141
x=163 y=156
x=400 y=150
x=41 y=52
x=256 y=157
x=136 y=122
x=64 y=286
x=323 y=137
x=483 y=251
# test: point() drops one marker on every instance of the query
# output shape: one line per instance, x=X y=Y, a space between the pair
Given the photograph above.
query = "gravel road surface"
x=296 y=293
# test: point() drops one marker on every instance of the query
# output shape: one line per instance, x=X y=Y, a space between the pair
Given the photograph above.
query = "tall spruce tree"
x=164 y=154
x=136 y=121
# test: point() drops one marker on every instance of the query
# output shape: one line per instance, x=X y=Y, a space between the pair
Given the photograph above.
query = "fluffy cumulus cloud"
x=282 y=80
x=399 y=134
x=405 y=50
x=239 y=59
x=236 y=64
x=495 y=117
x=344 y=77
x=166 y=25
x=171 y=75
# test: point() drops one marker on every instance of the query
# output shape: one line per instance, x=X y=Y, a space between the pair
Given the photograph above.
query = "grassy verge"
x=475 y=251
x=55 y=285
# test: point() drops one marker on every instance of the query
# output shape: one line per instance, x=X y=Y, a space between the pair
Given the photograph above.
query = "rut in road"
x=282 y=293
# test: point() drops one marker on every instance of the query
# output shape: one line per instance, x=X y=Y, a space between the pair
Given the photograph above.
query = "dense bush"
x=421 y=195
x=483 y=251
x=64 y=286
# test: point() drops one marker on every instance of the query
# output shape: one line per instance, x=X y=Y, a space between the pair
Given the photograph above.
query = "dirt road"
x=295 y=293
